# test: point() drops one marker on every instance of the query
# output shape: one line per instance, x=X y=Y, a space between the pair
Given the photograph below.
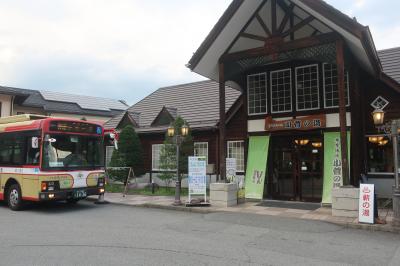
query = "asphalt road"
x=87 y=234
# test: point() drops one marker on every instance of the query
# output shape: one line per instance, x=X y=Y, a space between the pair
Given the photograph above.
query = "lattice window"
x=201 y=149
x=281 y=91
x=236 y=150
x=257 y=93
x=307 y=87
x=380 y=103
x=331 y=91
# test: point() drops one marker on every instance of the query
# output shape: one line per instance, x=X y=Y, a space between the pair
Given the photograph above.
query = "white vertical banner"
x=366 y=204
x=231 y=169
x=197 y=177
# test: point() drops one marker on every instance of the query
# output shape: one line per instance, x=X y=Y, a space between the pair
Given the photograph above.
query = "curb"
x=201 y=210
x=204 y=210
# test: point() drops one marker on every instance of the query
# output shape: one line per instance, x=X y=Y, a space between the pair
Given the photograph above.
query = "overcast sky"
x=125 y=49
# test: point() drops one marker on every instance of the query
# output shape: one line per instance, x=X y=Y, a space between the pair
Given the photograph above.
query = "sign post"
x=197 y=177
x=366 y=205
x=231 y=169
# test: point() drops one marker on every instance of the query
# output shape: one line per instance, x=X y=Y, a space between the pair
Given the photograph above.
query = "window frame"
x=291 y=91
x=244 y=160
x=347 y=75
x=266 y=93
x=368 y=161
x=200 y=143
x=318 y=88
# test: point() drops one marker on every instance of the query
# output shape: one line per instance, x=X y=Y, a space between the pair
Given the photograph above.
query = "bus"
x=49 y=159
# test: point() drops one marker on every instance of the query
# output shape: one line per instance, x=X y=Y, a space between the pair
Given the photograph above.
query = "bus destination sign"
x=75 y=127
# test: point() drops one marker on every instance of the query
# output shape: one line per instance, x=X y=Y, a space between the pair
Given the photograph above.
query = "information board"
x=366 y=205
x=197 y=176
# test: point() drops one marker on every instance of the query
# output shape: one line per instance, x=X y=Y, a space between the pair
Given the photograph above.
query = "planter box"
x=345 y=202
x=223 y=194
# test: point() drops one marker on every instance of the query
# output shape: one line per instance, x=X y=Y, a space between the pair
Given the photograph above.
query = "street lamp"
x=178 y=137
x=378 y=116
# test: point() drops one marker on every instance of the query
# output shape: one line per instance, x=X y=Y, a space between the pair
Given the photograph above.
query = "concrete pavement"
x=321 y=214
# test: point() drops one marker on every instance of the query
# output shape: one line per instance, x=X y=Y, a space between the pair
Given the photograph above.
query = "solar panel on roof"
x=85 y=102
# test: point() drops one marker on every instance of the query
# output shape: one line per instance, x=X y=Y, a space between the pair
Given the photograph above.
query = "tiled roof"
x=197 y=103
x=63 y=102
x=390 y=60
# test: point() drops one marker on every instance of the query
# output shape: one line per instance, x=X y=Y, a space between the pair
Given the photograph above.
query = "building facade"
x=309 y=78
x=197 y=103
x=16 y=101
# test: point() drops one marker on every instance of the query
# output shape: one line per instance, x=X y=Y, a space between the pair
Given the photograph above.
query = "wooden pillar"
x=342 y=110
x=222 y=125
x=357 y=136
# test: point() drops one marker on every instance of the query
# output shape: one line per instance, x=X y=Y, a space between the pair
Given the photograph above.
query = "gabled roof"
x=197 y=103
x=390 y=59
x=241 y=15
x=165 y=117
x=55 y=102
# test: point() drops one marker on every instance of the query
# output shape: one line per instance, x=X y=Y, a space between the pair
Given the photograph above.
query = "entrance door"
x=295 y=168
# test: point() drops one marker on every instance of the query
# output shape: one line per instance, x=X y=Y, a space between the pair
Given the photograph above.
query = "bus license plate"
x=79 y=194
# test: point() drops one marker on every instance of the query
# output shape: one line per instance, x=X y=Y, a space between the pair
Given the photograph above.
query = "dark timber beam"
x=342 y=111
x=222 y=124
x=253 y=37
x=263 y=25
x=298 y=26
x=288 y=14
x=274 y=17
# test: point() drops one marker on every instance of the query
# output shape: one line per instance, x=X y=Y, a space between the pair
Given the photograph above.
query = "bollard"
x=101 y=200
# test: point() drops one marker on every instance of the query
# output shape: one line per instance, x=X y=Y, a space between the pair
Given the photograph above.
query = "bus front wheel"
x=14 y=197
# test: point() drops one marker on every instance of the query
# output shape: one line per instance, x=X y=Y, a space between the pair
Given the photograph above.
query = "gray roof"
x=390 y=60
x=197 y=103
x=66 y=103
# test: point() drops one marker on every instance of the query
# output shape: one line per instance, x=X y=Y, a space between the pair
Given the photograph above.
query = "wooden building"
x=309 y=78
x=198 y=104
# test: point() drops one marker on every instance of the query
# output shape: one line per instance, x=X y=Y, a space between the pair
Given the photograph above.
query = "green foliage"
x=168 y=153
x=129 y=154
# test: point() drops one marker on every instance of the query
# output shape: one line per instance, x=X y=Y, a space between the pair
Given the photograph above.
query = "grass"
x=161 y=191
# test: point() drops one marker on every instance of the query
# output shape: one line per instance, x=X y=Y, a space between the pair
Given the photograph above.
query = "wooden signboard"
x=301 y=124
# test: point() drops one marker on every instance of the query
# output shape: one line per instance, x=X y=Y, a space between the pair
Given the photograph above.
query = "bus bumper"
x=76 y=193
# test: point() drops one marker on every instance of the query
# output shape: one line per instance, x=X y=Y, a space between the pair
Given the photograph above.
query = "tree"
x=168 y=154
x=129 y=153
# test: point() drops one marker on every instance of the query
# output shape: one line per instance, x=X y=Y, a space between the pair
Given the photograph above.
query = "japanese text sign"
x=366 y=205
x=303 y=123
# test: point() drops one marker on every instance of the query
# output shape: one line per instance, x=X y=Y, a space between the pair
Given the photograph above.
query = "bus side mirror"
x=35 y=143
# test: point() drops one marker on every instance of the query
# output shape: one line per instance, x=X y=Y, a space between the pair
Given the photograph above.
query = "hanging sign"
x=366 y=205
x=303 y=123
x=197 y=176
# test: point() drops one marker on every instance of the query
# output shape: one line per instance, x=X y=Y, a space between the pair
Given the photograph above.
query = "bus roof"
x=27 y=122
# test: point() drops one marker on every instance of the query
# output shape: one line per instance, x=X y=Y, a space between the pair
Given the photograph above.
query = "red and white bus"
x=49 y=159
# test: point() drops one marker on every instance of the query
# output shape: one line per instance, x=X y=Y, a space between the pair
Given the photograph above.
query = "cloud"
x=65 y=44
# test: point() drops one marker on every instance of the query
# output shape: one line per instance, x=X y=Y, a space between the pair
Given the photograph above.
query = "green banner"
x=256 y=167
x=333 y=164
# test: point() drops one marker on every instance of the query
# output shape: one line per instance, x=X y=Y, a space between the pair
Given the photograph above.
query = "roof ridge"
x=76 y=94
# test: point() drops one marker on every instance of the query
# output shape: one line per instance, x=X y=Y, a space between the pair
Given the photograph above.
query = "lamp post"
x=177 y=139
x=378 y=116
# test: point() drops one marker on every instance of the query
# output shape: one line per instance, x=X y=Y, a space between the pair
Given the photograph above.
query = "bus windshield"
x=70 y=152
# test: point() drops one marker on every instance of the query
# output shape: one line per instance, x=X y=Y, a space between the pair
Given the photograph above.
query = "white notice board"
x=366 y=205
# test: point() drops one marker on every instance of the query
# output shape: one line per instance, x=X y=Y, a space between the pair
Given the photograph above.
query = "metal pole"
x=396 y=191
x=178 y=181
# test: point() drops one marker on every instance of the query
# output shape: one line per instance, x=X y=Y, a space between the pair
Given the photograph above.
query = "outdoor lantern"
x=171 y=131
x=302 y=142
x=383 y=142
x=317 y=144
x=378 y=116
x=375 y=139
x=185 y=130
